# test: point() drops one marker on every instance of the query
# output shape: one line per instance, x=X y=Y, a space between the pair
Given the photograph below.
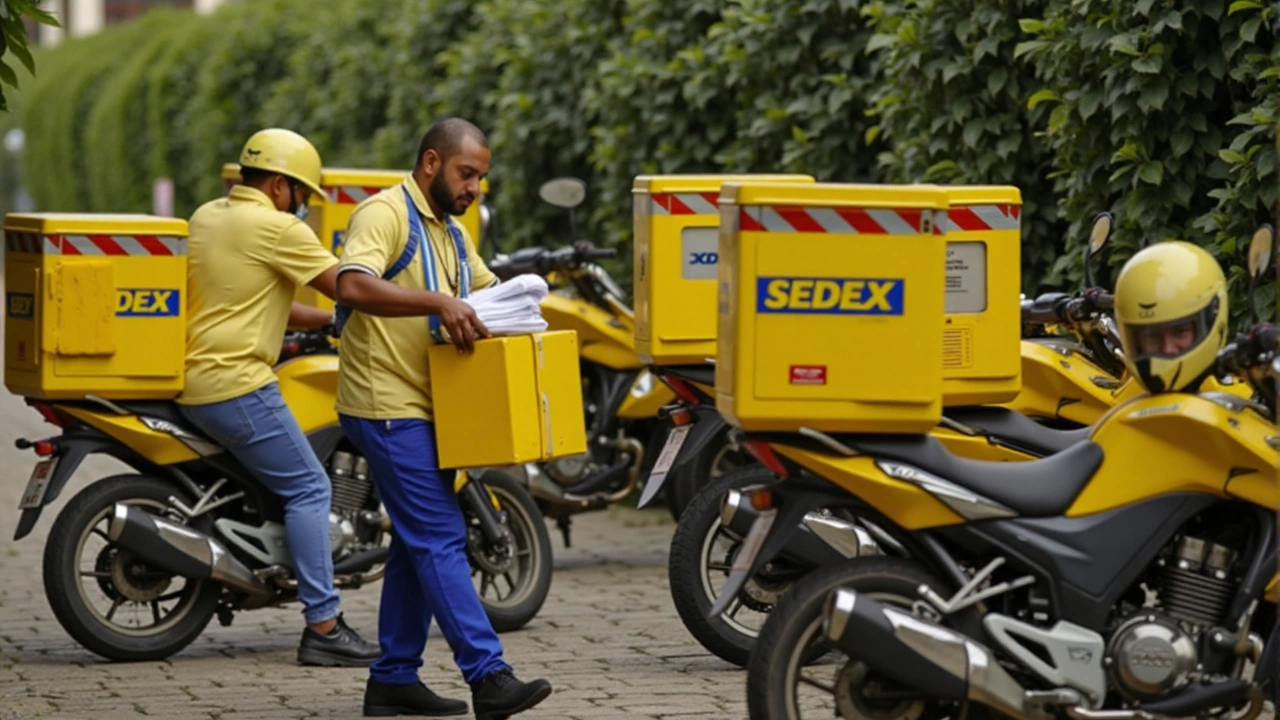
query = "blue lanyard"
x=418 y=236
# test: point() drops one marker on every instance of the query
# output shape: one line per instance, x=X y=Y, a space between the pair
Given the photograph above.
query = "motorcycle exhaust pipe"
x=822 y=539
x=181 y=550
x=923 y=654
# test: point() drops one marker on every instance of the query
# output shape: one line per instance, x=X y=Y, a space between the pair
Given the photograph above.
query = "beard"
x=444 y=198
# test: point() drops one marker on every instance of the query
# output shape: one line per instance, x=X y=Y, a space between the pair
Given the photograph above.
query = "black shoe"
x=341 y=647
x=500 y=695
x=386 y=700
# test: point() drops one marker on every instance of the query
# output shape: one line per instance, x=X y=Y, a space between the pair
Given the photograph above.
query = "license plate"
x=40 y=475
x=754 y=541
x=666 y=458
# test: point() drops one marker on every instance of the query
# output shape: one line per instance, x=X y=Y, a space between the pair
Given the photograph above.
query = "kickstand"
x=563 y=524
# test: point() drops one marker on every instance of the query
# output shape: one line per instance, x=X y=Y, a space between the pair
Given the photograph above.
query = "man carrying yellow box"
x=405 y=256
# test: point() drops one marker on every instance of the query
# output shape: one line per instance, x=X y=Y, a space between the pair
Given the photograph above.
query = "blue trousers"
x=261 y=432
x=427 y=572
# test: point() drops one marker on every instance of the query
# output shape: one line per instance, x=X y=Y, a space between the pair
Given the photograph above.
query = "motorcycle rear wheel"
x=120 y=579
x=528 y=577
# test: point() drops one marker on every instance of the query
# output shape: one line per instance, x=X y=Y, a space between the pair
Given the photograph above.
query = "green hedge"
x=1160 y=111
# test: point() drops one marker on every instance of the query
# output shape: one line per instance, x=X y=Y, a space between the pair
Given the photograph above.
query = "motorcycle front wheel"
x=110 y=602
x=513 y=582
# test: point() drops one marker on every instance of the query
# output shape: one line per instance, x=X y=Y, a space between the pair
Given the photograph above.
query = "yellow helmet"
x=1171 y=310
x=285 y=152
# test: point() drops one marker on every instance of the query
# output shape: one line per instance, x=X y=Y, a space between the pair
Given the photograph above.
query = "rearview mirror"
x=1260 y=249
x=1098 y=237
x=565 y=192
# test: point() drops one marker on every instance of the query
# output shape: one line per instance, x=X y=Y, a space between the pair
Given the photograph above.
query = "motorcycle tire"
x=689 y=479
x=783 y=647
x=529 y=530
x=689 y=566
x=62 y=574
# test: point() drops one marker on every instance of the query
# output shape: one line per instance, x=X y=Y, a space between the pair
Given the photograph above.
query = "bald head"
x=447 y=136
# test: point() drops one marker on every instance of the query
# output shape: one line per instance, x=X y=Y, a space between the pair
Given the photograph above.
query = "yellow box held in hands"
x=981 y=355
x=831 y=307
x=517 y=399
x=345 y=189
x=676 y=254
x=96 y=305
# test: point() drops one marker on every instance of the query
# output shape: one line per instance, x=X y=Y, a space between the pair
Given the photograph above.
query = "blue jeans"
x=261 y=432
x=427 y=572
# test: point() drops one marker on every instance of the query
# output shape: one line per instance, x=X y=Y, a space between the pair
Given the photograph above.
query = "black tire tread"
x=64 y=596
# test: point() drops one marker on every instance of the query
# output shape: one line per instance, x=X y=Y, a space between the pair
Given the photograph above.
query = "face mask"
x=303 y=211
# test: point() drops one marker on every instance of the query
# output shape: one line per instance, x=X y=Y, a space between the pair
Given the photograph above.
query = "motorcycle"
x=136 y=565
x=703 y=547
x=1130 y=589
x=622 y=397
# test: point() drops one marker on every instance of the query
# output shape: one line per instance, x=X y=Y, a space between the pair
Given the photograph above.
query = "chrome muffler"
x=922 y=654
x=180 y=550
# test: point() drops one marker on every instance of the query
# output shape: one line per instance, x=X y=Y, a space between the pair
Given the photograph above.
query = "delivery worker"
x=384 y=403
x=247 y=254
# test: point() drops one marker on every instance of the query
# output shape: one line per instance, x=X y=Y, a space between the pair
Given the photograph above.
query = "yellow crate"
x=96 y=305
x=831 y=307
x=516 y=399
x=346 y=188
x=676 y=221
x=981 y=358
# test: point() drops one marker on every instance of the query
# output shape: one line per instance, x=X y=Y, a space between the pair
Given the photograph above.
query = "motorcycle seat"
x=162 y=410
x=1035 y=488
x=1017 y=429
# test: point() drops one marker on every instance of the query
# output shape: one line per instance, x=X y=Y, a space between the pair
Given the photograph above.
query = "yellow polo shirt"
x=245 y=261
x=382 y=373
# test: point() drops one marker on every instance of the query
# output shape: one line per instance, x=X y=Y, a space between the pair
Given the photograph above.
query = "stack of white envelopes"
x=512 y=308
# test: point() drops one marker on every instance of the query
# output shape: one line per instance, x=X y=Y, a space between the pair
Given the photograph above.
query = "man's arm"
x=305 y=316
x=362 y=291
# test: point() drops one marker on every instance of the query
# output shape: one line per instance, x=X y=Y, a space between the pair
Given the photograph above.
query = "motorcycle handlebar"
x=542 y=261
x=1249 y=350
x=1058 y=307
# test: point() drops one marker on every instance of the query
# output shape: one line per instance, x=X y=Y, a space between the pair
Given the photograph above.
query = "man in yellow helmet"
x=247 y=255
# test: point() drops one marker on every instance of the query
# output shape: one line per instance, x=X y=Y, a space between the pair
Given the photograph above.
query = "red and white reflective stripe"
x=351 y=194
x=23 y=242
x=686 y=204
x=132 y=245
x=984 y=217
x=842 y=220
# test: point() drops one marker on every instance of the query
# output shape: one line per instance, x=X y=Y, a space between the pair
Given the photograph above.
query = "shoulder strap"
x=411 y=246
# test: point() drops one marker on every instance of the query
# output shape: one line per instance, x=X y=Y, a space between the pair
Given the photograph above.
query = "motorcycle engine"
x=569 y=470
x=352 y=487
x=1153 y=653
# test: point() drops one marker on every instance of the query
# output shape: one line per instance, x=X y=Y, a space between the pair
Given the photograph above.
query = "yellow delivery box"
x=96 y=305
x=676 y=225
x=831 y=305
x=516 y=399
x=346 y=188
x=981 y=354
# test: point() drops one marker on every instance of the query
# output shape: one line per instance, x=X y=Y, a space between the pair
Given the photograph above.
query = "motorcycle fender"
x=795 y=500
x=72 y=450
x=707 y=423
x=155 y=446
x=802 y=548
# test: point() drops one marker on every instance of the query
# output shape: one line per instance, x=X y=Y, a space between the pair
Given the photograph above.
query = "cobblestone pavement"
x=608 y=637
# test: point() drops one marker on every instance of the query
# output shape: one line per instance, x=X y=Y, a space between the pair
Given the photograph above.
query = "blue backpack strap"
x=341 y=313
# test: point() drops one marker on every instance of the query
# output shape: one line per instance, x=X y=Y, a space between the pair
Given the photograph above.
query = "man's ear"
x=431 y=161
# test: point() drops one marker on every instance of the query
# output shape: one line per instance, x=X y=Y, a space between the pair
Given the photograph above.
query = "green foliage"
x=952 y=109
x=13 y=41
x=1162 y=112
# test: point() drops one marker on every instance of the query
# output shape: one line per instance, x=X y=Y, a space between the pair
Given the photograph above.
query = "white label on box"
x=701 y=253
x=966 y=277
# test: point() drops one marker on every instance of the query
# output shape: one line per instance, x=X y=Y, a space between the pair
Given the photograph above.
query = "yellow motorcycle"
x=1129 y=577
x=136 y=565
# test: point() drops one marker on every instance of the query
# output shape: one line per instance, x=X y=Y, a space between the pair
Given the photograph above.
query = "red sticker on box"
x=808 y=374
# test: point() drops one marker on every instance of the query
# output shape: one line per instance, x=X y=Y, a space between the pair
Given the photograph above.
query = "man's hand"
x=460 y=319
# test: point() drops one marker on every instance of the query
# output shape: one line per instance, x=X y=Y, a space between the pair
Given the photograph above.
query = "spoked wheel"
x=512 y=582
x=794 y=674
x=109 y=601
x=702 y=553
